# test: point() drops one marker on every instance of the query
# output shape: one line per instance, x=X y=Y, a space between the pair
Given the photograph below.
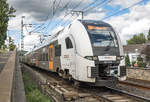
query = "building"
x=136 y=50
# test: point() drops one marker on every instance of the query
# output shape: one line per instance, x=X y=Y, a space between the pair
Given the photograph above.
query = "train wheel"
x=60 y=74
x=76 y=84
x=70 y=78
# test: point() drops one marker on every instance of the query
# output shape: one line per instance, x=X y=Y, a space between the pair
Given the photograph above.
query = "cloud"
x=34 y=39
x=136 y=21
x=123 y=3
x=97 y=15
x=15 y=23
x=57 y=29
x=30 y=41
x=37 y=11
x=40 y=10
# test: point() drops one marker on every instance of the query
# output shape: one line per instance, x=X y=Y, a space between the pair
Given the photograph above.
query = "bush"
x=127 y=61
x=133 y=63
x=140 y=62
x=33 y=94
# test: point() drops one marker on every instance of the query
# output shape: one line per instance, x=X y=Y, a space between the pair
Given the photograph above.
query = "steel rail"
x=134 y=85
x=129 y=94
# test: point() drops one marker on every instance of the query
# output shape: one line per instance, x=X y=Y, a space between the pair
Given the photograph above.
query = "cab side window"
x=68 y=43
x=58 y=50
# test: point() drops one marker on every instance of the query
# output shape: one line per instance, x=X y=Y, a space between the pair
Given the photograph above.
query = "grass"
x=33 y=94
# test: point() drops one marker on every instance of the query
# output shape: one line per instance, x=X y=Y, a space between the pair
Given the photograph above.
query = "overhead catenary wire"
x=93 y=3
x=75 y=8
x=54 y=15
x=82 y=9
x=58 y=24
x=64 y=16
x=26 y=28
x=45 y=18
x=90 y=4
x=123 y=10
x=96 y=5
x=120 y=10
x=54 y=7
x=37 y=28
x=104 y=2
x=101 y=3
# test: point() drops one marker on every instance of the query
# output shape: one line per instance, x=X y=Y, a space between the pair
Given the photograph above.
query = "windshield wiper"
x=109 y=45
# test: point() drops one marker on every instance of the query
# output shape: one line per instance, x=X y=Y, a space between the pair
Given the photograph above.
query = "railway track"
x=143 y=87
x=138 y=98
x=61 y=90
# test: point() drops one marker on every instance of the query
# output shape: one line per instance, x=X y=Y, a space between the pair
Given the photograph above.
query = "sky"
x=128 y=17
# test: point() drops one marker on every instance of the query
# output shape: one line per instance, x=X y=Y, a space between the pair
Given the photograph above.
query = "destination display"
x=91 y=27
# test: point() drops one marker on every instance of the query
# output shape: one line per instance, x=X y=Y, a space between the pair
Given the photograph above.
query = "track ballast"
x=61 y=90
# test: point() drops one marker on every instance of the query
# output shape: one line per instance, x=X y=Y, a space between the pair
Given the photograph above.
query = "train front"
x=107 y=54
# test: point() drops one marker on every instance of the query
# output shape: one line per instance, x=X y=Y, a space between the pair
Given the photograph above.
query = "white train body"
x=87 y=51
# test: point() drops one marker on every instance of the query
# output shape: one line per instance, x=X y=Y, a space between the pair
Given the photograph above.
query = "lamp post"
x=136 y=52
x=22 y=32
x=22 y=40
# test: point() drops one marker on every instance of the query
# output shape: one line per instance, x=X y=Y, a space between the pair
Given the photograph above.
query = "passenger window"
x=46 y=56
x=40 y=57
x=68 y=43
x=58 y=50
x=43 y=57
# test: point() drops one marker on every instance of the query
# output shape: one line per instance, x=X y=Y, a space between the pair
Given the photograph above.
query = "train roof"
x=47 y=41
x=53 y=37
x=95 y=22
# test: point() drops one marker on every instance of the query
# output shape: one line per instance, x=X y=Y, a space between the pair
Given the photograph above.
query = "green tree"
x=127 y=60
x=140 y=62
x=137 y=39
x=12 y=46
x=148 y=36
x=5 y=13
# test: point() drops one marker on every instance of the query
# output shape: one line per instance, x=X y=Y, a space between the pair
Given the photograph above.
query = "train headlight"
x=120 y=57
x=91 y=58
x=95 y=58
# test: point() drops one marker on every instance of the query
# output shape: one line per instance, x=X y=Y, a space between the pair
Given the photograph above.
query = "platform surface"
x=6 y=77
x=4 y=59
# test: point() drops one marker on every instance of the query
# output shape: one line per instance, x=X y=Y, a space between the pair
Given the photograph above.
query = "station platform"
x=11 y=84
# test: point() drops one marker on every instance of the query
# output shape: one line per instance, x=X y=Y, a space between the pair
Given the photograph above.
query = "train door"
x=51 y=57
x=69 y=56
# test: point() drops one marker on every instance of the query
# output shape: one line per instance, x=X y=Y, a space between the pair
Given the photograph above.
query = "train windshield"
x=102 y=36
